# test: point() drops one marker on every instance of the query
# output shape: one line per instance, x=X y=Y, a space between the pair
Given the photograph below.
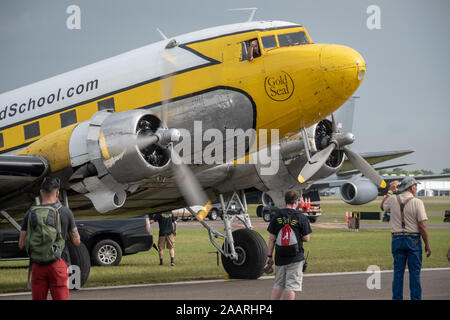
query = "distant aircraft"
x=110 y=130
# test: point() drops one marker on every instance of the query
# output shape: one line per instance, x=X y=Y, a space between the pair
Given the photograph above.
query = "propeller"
x=185 y=179
x=340 y=141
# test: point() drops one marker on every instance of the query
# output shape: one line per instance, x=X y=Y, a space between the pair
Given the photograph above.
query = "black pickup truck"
x=106 y=240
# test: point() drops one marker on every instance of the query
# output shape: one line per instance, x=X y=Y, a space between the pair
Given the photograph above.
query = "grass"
x=330 y=251
x=432 y=206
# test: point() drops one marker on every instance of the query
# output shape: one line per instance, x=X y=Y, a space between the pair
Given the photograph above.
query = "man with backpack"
x=288 y=230
x=45 y=230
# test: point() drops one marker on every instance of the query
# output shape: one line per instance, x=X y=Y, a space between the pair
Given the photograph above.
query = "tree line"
x=418 y=172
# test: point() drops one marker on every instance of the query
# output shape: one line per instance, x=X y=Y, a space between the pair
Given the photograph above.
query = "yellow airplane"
x=108 y=130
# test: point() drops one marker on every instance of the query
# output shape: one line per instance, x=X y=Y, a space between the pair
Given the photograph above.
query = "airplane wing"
x=19 y=172
x=422 y=177
x=374 y=158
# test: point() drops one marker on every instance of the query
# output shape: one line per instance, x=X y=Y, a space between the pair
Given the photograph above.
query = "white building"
x=433 y=188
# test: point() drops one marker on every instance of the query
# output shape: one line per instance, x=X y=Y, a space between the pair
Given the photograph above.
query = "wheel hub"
x=241 y=256
x=107 y=254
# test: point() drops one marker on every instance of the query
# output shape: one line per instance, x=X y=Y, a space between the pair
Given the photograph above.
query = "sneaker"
x=172 y=264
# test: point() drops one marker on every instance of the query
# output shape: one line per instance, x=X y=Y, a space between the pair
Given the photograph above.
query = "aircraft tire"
x=79 y=256
x=252 y=251
x=259 y=211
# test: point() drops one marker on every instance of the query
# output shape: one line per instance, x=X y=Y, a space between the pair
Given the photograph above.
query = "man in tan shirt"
x=407 y=227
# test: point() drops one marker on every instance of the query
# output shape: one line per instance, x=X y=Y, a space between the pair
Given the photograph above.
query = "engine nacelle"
x=110 y=141
x=320 y=139
x=109 y=157
x=358 y=192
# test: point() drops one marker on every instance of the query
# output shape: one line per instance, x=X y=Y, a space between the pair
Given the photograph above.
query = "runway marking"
x=219 y=280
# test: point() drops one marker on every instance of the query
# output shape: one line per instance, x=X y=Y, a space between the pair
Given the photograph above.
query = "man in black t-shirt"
x=289 y=269
x=167 y=232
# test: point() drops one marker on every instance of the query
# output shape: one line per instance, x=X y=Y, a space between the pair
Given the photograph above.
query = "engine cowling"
x=109 y=159
x=107 y=155
x=110 y=142
x=358 y=192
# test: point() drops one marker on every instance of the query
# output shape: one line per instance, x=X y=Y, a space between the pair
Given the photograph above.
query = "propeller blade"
x=334 y=127
x=167 y=83
x=185 y=179
x=317 y=161
x=366 y=169
x=189 y=186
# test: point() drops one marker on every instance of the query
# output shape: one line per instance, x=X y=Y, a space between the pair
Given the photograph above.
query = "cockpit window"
x=269 y=42
x=292 y=39
x=250 y=50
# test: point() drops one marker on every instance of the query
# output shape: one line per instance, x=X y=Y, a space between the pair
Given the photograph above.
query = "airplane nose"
x=343 y=68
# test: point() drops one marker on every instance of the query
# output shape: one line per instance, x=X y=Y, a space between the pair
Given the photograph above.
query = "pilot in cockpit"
x=253 y=50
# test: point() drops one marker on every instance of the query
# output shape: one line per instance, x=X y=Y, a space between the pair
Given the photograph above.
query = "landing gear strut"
x=244 y=251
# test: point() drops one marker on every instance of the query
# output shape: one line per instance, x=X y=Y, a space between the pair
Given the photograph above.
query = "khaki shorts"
x=289 y=277
x=166 y=242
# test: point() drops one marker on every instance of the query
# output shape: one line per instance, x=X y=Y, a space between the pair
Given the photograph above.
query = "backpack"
x=286 y=242
x=44 y=242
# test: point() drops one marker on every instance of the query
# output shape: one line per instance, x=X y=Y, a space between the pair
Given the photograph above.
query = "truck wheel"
x=107 y=253
x=79 y=256
x=252 y=252
x=267 y=216
x=259 y=211
x=312 y=219
x=213 y=214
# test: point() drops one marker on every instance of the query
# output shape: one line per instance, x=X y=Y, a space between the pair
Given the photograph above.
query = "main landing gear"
x=244 y=251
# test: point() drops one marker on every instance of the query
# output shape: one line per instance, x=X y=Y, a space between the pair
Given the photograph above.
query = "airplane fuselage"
x=293 y=84
x=288 y=87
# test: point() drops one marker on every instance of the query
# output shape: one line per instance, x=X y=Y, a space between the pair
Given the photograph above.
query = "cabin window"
x=68 y=118
x=244 y=51
x=106 y=104
x=292 y=39
x=269 y=42
x=32 y=130
x=2 y=144
x=247 y=52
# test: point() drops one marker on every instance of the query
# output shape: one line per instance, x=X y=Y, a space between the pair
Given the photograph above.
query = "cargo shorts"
x=166 y=242
x=289 y=277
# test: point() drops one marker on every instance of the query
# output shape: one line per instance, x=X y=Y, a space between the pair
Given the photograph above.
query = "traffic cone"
x=346 y=216
x=302 y=203
x=309 y=203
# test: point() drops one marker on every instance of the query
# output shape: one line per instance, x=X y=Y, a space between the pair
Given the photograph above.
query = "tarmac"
x=323 y=286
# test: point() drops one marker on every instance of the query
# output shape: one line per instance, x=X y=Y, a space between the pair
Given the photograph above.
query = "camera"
x=268 y=268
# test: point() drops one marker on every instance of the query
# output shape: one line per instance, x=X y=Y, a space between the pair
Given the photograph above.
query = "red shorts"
x=52 y=276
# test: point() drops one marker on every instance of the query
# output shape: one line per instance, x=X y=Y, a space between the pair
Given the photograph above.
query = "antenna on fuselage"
x=162 y=34
x=252 y=13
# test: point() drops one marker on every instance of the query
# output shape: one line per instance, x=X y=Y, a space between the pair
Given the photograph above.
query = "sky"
x=403 y=100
